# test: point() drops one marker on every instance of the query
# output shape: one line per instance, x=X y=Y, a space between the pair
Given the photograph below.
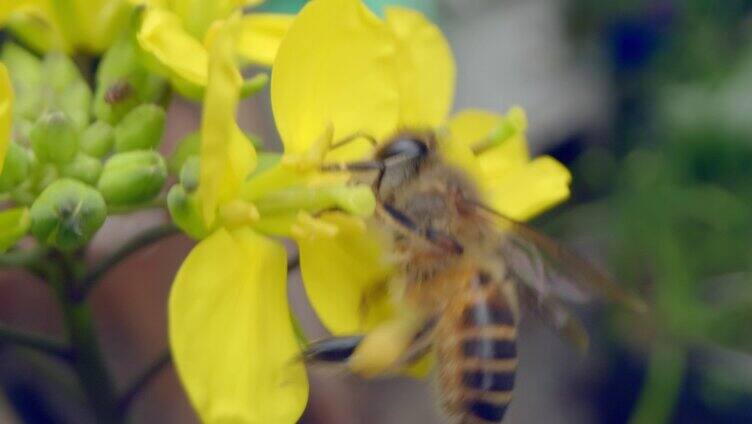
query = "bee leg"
x=360 y=166
x=332 y=350
x=352 y=137
x=389 y=346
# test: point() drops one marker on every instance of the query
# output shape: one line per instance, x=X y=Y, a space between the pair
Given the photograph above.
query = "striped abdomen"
x=477 y=353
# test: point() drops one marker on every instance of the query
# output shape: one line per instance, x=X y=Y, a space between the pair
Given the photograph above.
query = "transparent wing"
x=551 y=269
x=555 y=315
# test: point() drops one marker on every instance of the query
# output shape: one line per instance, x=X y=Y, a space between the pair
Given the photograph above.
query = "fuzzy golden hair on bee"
x=465 y=274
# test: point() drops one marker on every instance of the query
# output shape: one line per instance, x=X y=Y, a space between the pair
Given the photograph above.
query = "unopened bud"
x=75 y=101
x=184 y=210
x=97 y=140
x=188 y=146
x=83 y=168
x=140 y=129
x=54 y=138
x=65 y=88
x=133 y=177
x=26 y=73
x=14 y=223
x=21 y=131
x=190 y=173
x=16 y=168
x=67 y=214
x=114 y=100
x=60 y=72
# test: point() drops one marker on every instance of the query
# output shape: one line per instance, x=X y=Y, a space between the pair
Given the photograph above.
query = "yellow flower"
x=174 y=36
x=231 y=331
x=78 y=25
x=6 y=112
x=341 y=70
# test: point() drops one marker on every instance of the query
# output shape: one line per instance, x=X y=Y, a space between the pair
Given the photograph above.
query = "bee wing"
x=552 y=269
x=554 y=314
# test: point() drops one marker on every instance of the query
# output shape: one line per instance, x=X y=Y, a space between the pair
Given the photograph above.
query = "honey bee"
x=463 y=275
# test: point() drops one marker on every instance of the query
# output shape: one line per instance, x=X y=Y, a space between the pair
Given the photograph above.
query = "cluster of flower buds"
x=76 y=154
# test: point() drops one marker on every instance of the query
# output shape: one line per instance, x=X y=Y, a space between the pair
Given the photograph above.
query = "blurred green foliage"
x=672 y=192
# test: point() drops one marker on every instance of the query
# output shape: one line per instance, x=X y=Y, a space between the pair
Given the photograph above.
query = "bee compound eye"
x=407 y=146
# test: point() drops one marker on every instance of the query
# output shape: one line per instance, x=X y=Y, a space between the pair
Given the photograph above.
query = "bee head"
x=403 y=147
x=402 y=157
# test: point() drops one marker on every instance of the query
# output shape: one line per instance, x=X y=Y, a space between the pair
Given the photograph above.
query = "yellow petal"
x=230 y=331
x=198 y=15
x=172 y=52
x=474 y=127
x=6 y=112
x=260 y=36
x=34 y=22
x=462 y=157
x=530 y=189
x=334 y=68
x=426 y=69
x=227 y=156
x=92 y=25
x=343 y=275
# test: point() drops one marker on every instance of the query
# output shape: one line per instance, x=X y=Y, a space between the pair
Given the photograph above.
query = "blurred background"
x=648 y=102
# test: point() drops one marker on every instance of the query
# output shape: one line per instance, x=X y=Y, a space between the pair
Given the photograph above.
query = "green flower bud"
x=75 y=101
x=184 y=211
x=140 y=129
x=65 y=89
x=189 y=174
x=14 y=224
x=133 y=177
x=98 y=139
x=60 y=72
x=122 y=80
x=188 y=146
x=44 y=175
x=16 y=168
x=113 y=101
x=21 y=131
x=26 y=75
x=67 y=214
x=54 y=138
x=84 y=168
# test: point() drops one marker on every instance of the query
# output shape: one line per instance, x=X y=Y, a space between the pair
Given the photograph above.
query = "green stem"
x=21 y=258
x=34 y=341
x=156 y=203
x=143 y=380
x=141 y=240
x=87 y=359
x=661 y=390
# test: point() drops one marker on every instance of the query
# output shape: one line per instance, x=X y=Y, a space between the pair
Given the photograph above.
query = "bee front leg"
x=332 y=350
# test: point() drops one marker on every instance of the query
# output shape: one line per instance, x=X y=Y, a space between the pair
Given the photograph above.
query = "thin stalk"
x=88 y=362
x=661 y=390
x=34 y=341
x=21 y=258
x=143 y=380
x=131 y=246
